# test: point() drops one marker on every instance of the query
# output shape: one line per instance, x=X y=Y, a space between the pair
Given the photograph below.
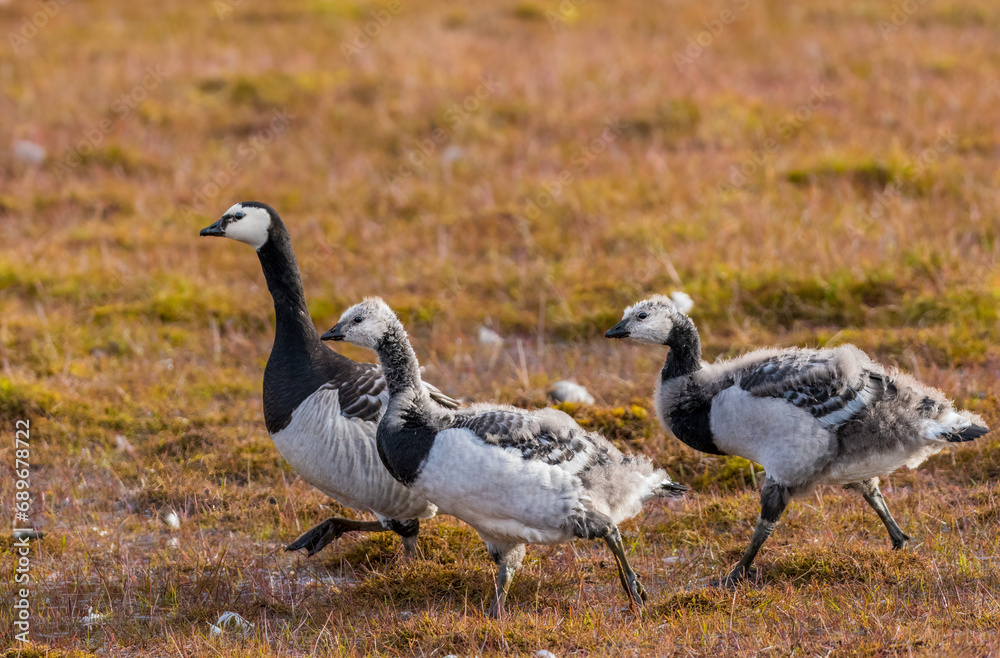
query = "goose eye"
x=358 y=319
x=643 y=316
x=238 y=215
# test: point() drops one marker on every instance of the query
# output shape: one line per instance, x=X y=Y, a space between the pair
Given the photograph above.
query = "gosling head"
x=366 y=324
x=649 y=321
x=248 y=221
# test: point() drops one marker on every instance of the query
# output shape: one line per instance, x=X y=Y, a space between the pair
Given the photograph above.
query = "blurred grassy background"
x=810 y=174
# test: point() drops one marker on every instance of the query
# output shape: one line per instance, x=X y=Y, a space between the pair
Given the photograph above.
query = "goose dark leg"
x=508 y=560
x=407 y=531
x=774 y=499
x=629 y=579
x=316 y=538
x=869 y=489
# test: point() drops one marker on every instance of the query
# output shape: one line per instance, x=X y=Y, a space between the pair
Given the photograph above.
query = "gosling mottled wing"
x=546 y=435
x=832 y=385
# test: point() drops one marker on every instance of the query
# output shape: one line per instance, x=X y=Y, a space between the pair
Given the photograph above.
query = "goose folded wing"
x=831 y=389
x=363 y=394
x=538 y=436
x=361 y=390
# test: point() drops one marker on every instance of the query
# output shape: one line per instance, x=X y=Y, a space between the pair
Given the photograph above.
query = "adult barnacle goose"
x=321 y=408
x=516 y=476
x=826 y=416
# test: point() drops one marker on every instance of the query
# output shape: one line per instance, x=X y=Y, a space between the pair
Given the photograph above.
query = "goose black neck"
x=685 y=350
x=281 y=271
x=399 y=362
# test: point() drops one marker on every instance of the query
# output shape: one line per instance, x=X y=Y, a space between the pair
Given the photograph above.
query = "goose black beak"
x=216 y=229
x=618 y=331
x=337 y=333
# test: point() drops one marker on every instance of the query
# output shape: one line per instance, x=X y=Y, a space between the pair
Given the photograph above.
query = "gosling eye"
x=239 y=215
x=358 y=319
x=643 y=316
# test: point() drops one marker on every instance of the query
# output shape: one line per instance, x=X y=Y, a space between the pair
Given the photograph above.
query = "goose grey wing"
x=361 y=390
x=363 y=393
x=832 y=389
x=542 y=436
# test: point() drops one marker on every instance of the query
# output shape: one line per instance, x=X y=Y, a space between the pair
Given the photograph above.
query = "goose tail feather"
x=967 y=434
x=670 y=489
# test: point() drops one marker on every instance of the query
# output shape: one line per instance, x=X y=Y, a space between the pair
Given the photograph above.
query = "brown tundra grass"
x=810 y=173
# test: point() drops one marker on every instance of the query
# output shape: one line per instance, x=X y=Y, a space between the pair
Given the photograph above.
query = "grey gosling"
x=808 y=416
x=516 y=476
x=320 y=408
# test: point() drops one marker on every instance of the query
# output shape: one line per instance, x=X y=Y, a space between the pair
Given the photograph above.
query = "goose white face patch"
x=654 y=328
x=251 y=228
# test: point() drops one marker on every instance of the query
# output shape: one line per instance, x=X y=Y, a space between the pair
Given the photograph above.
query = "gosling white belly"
x=497 y=491
x=788 y=442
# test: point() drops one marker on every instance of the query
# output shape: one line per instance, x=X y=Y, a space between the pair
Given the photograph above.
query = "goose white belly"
x=338 y=456
x=497 y=492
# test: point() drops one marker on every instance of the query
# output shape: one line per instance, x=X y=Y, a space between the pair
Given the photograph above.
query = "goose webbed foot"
x=316 y=538
x=899 y=543
x=734 y=579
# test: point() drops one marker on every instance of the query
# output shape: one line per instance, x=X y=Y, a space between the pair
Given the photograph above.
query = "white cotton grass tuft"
x=682 y=301
x=489 y=337
x=230 y=622
x=172 y=520
x=569 y=391
x=92 y=618
x=28 y=151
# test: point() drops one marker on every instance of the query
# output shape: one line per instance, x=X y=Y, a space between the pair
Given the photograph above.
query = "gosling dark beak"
x=337 y=333
x=216 y=229
x=618 y=331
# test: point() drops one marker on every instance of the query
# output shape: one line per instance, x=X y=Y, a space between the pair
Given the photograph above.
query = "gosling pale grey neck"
x=399 y=362
x=685 y=350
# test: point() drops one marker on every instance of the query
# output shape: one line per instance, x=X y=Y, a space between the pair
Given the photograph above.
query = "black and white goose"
x=808 y=416
x=321 y=408
x=518 y=477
